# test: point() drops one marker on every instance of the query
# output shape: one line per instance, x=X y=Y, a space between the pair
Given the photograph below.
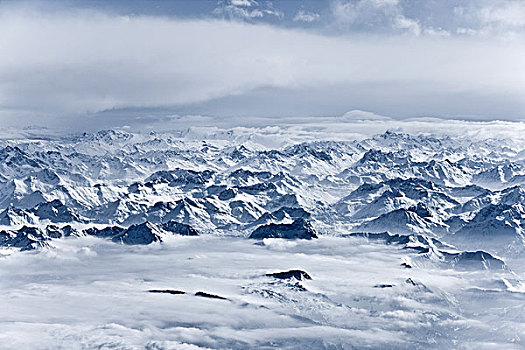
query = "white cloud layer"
x=371 y=14
x=246 y=9
x=91 y=294
x=508 y=14
x=306 y=16
x=77 y=63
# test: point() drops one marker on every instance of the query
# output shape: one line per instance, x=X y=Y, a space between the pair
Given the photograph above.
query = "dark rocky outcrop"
x=167 y=291
x=299 y=229
x=56 y=211
x=106 y=232
x=474 y=260
x=297 y=274
x=144 y=233
x=30 y=237
x=179 y=228
x=207 y=295
x=26 y=238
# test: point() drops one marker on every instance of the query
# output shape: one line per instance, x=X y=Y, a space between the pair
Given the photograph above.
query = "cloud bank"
x=77 y=63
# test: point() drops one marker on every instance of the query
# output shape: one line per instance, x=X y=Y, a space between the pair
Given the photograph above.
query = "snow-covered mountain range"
x=443 y=203
x=449 y=188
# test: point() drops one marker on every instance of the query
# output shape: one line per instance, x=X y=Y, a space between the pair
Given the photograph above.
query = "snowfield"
x=292 y=237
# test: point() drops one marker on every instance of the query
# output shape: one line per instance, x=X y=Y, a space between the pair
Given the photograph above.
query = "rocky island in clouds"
x=243 y=174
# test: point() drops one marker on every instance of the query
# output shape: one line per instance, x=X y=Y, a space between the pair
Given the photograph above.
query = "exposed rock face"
x=16 y=216
x=31 y=237
x=145 y=233
x=227 y=194
x=179 y=228
x=474 y=261
x=299 y=229
x=26 y=238
x=412 y=241
x=56 y=211
x=208 y=295
x=297 y=274
x=106 y=232
x=430 y=248
x=181 y=177
x=167 y=291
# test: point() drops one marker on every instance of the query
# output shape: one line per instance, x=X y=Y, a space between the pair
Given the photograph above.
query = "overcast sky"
x=111 y=63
